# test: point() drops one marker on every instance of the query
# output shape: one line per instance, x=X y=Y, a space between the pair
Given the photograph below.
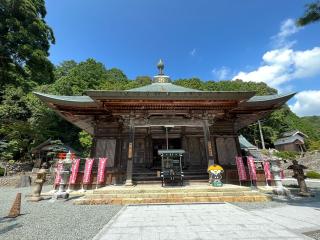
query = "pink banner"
x=282 y=174
x=267 y=172
x=101 y=170
x=241 y=170
x=252 y=168
x=74 y=171
x=87 y=170
x=58 y=176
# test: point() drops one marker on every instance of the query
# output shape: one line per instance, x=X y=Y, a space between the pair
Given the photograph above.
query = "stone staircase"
x=165 y=195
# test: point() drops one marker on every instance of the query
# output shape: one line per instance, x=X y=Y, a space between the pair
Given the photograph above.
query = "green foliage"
x=286 y=155
x=1 y=171
x=86 y=142
x=314 y=145
x=311 y=14
x=24 y=43
x=313 y=174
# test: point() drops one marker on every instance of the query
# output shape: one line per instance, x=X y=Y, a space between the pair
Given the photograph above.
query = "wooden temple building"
x=129 y=127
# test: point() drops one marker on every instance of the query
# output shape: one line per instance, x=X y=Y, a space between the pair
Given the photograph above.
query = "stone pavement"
x=302 y=218
x=192 y=221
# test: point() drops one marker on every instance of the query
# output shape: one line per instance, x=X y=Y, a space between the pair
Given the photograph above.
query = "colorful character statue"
x=215 y=171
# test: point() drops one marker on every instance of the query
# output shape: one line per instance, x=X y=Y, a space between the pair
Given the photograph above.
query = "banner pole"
x=97 y=175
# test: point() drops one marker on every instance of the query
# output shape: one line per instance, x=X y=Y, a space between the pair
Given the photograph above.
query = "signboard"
x=101 y=170
x=267 y=172
x=241 y=170
x=87 y=170
x=210 y=152
x=74 y=171
x=252 y=168
x=130 y=151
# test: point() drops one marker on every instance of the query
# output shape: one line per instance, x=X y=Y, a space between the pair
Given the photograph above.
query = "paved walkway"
x=195 y=221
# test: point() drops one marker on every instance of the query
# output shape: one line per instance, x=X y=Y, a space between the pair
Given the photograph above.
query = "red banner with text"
x=101 y=170
x=58 y=176
x=87 y=170
x=252 y=168
x=267 y=172
x=74 y=171
x=241 y=170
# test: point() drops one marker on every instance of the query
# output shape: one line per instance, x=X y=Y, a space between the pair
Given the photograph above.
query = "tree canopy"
x=311 y=14
x=25 y=39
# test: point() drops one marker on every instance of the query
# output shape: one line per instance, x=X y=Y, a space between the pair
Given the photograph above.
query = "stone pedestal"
x=128 y=182
x=62 y=193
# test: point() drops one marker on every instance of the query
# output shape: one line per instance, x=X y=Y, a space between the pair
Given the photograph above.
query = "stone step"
x=133 y=200
x=123 y=190
x=170 y=195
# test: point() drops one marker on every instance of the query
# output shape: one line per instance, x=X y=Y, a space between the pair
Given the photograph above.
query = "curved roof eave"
x=65 y=100
x=267 y=100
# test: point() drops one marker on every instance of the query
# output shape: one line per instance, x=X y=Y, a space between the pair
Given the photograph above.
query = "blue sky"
x=212 y=40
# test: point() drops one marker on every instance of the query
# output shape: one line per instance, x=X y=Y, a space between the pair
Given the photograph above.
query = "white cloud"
x=193 y=52
x=283 y=65
x=221 y=73
x=287 y=28
x=307 y=103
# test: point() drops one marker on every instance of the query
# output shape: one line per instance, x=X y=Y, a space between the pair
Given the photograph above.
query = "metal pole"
x=261 y=135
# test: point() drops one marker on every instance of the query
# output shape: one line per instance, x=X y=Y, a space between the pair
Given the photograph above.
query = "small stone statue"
x=299 y=175
x=40 y=180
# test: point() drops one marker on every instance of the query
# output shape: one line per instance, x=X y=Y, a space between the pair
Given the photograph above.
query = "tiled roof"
x=162 y=87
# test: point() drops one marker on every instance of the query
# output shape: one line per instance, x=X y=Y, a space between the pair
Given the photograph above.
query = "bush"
x=313 y=174
x=1 y=171
x=286 y=155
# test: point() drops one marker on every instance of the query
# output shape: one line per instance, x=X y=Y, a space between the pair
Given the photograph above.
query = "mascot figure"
x=215 y=171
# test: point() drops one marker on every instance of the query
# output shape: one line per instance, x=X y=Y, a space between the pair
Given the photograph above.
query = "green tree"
x=25 y=39
x=86 y=142
x=311 y=14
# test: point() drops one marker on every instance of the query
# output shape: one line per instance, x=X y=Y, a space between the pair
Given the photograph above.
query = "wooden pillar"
x=93 y=150
x=130 y=154
x=207 y=142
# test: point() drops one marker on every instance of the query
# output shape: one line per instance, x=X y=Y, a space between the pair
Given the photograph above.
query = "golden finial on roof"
x=160 y=66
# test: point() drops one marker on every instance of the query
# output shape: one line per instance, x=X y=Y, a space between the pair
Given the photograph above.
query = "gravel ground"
x=51 y=220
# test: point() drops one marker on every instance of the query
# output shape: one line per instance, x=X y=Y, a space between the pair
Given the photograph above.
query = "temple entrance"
x=158 y=144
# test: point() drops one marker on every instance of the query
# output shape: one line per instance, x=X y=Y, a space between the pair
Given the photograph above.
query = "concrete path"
x=194 y=221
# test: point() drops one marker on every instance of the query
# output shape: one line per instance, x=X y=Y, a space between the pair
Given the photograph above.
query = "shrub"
x=1 y=171
x=286 y=155
x=313 y=174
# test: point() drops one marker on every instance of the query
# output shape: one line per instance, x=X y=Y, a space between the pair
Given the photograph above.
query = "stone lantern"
x=38 y=183
x=64 y=173
x=276 y=169
x=299 y=175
